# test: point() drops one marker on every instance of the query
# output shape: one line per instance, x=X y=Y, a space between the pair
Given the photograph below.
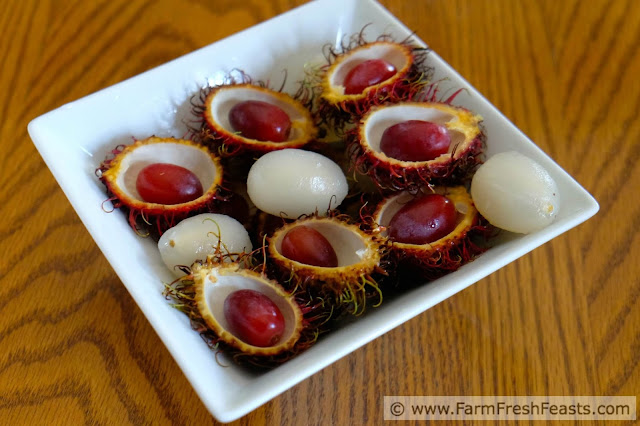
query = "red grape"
x=165 y=183
x=306 y=245
x=261 y=121
x=415 y=140
x=367 y=73
x=254 y=318
x=423 y=220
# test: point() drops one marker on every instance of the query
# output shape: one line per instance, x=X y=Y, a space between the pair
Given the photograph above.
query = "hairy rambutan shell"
x=467 y=143
x=212 y=286
x=396 y=54
x=120 y=173
x=220 y=132
x=359 y=257
x=445 y=254
x=323 y=89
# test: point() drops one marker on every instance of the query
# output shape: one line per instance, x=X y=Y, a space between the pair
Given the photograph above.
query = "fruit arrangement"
x=281 y=214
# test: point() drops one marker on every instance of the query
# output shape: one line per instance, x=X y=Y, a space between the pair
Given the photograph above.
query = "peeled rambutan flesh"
x=367 y=74
x=423 y=220
x=292 y=182
x=200 y=236
x=415 y=140
x=261 y=121
x=254 y=318
x=515 y=193
x=306 y=245
x=165 y=183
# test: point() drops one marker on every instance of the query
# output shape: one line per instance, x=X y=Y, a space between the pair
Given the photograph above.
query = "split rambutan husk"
x=213 y=107
x=119 y=173
x=447 y=254
x=201 y=295
x=454 y=167
x=350 y=286
x=336 y=112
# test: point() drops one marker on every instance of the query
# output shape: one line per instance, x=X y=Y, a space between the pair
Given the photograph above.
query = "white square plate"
x=74 y=139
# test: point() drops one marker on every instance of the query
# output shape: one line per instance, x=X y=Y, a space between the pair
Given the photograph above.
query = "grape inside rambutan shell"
x=214 y=283
x=467 y=216
x=120 y=174
x=467 y=143
x=222 y=99
x=396 y=54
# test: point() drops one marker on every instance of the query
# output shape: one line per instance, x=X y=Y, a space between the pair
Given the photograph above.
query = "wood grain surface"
x=562 y=320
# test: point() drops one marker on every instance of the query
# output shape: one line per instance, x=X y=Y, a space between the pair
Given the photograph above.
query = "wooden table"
x=562 y=320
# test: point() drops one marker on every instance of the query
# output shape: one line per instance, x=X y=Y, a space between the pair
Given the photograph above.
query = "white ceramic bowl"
x=74 y=139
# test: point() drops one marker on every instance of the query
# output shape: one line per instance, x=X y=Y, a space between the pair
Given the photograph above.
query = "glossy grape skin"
x=423 y=220
x=366 y=74
x=254 y=318
x=306 y=245
x=169 y=184
x=261 y=121
x=415 y=140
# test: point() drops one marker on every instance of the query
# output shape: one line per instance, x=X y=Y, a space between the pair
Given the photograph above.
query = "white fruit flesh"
x=515 y=193
x=292 y=182
x=202 y=235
